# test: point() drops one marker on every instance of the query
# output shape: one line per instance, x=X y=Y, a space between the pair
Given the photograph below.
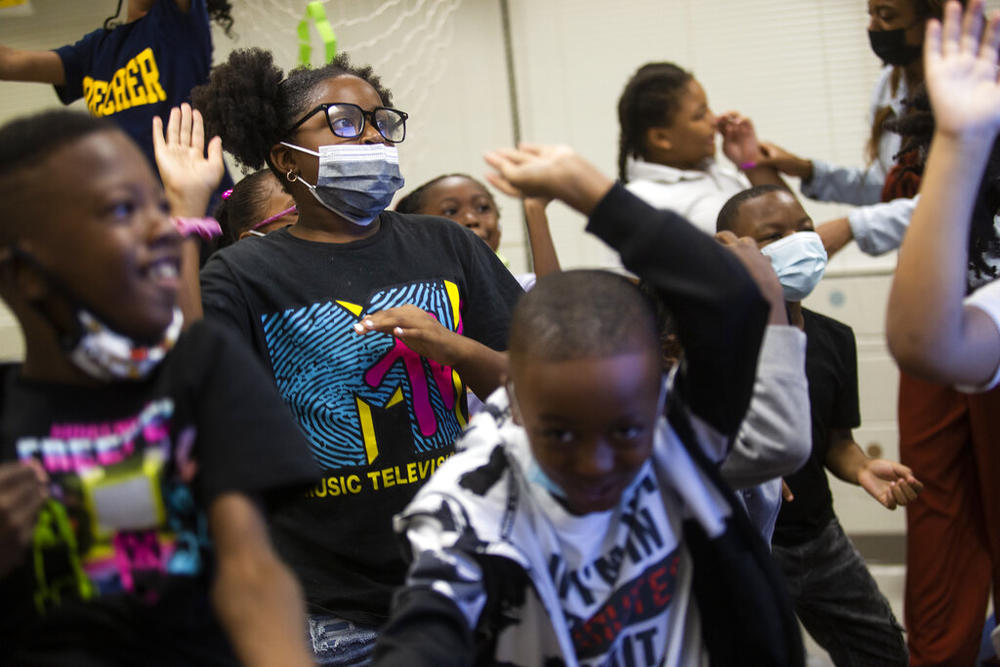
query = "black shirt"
x=379 y=417
x=832 y=371
x=121 y=554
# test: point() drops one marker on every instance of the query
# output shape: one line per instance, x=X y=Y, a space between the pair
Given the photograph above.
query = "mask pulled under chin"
x=106 y=355
x=799 y=259
x=355 y=181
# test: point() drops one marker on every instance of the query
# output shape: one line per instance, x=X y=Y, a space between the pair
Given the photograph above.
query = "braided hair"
x=916 y=126
x=650 y=99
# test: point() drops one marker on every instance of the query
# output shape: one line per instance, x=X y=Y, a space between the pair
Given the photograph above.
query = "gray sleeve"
x=879 y=228
x=847 y=185
x=775 y=437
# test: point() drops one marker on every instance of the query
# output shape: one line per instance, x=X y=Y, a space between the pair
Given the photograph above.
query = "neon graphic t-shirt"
x=380 y=418
x=132 y=468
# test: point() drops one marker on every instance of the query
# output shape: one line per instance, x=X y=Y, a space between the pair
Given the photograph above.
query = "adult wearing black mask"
x=896 y=33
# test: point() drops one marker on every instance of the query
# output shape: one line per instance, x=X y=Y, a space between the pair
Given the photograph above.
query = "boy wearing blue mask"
x=835 y=596
x=583 y=521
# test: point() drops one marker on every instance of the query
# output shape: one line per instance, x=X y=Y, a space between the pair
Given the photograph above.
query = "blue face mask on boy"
x=355 y=181
x=799 y=259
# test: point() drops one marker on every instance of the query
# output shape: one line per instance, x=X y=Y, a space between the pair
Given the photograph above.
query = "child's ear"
x=283 y=158
x=658 y=138
x=26 y=282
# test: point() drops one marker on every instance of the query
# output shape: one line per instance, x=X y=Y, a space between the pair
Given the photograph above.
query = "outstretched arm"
x=35 y=66
x=888 y=482
x=719 y=310
x=543 y=251
x=189 y=178
x=930 y=332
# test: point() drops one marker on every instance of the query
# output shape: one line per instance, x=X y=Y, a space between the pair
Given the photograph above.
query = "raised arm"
x=189 y=178
x=543 y=251
x=931 y=333
x=35 y=66
x=720 y=313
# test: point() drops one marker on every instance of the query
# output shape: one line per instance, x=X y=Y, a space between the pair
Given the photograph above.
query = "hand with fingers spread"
x=960 y=68
x=555 y=172
x=23 y=491
x=889 y=483
x=189 y=174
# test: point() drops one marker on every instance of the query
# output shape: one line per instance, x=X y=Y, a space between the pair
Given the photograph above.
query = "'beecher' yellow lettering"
x=135 y=84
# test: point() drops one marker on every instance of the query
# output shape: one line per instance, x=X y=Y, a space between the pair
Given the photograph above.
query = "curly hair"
x=250 y=103
x=414 y=201
x=650 y=99
x=916 y=126
x=218 y=11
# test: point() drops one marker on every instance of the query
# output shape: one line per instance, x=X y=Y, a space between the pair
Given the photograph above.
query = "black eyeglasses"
x=347 y=121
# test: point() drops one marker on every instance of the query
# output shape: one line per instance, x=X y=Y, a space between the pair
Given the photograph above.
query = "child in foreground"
x=835 y=597
x=133 y=457
x=580 y=524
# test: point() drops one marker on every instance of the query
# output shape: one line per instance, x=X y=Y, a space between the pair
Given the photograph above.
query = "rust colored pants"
x=952 y=442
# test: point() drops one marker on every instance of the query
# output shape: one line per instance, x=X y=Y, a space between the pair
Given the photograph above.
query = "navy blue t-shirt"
x=141 y=69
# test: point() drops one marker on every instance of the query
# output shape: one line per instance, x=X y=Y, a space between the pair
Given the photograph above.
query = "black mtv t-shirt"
x=121 y=556
x=832 y=372
x=379 y=417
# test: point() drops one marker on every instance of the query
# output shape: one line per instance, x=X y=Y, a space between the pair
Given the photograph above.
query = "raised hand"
x=739 y=139
x=960 y=68
x=889 y=483
x=189 y=175
x=555 y=172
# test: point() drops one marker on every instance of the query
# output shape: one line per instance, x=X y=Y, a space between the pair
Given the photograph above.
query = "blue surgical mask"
x=355 y=181
x=799 y=260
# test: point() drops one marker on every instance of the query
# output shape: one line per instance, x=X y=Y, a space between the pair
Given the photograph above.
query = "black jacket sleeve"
x=720 y=313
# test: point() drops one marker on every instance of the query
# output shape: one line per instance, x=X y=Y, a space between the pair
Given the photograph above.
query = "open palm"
x=960 y=67
x=189 y=174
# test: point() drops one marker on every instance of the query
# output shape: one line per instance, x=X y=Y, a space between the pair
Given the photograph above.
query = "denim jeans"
x=335 y=641
x=839 y=602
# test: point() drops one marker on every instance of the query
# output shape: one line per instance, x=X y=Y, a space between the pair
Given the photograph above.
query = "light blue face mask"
x=799 y=259
x=355 y=181
x=535 y=473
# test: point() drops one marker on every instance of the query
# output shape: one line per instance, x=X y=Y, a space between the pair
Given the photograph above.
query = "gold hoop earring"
x=291 y=176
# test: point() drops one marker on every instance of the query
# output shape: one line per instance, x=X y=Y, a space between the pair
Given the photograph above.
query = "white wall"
x=802 y=70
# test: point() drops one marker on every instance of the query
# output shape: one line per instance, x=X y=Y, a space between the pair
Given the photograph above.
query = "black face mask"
x=891 y=47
